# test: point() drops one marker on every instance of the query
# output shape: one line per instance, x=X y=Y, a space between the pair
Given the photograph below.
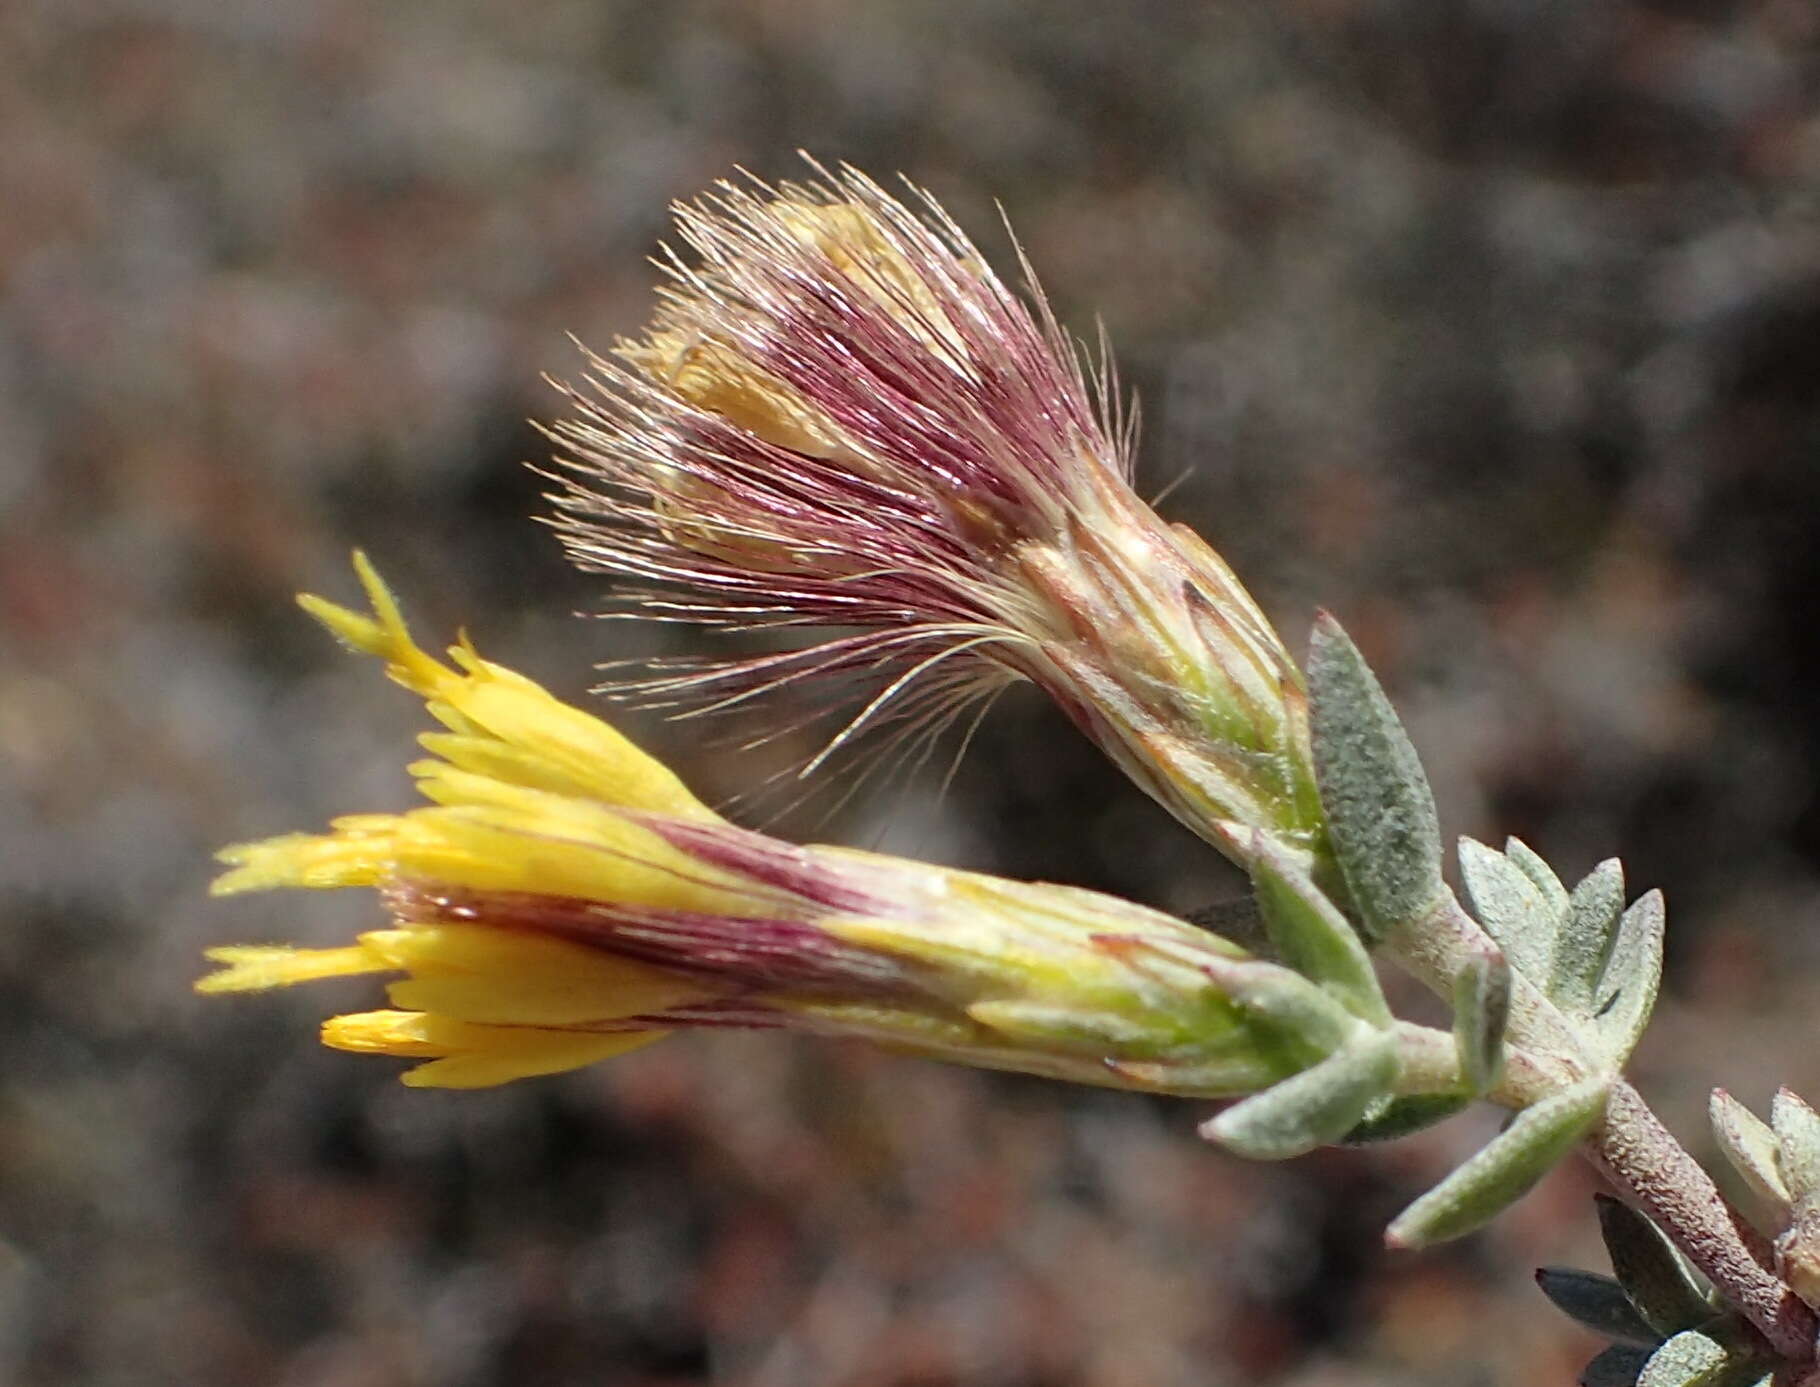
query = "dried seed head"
x=840 y=416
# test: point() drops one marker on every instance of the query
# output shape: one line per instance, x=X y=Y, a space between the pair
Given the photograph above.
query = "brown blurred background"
x=1493 y=326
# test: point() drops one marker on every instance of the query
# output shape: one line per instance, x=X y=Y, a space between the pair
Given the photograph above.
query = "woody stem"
x=1630 y=1147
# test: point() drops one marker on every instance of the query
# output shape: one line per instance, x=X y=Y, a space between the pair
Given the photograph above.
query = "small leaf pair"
x=1328 y=1100
x=1780 y=1162
x=1599 y=963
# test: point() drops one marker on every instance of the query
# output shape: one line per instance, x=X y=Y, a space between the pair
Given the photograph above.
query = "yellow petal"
x=253 y=968
x=383 y=634
x=473 y=973
x=466 y=1055
x=384 y=1033
x=490 y=759
x=357 y=853
x=518 y=1001
x=576 y=753
x=553 y=847
x=543 y=742
x=556 y=1052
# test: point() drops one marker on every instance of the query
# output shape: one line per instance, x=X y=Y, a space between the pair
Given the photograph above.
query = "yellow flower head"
x=564 y=898
x=525 y=789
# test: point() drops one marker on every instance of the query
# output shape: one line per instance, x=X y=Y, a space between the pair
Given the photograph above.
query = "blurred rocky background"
x=1493 y=326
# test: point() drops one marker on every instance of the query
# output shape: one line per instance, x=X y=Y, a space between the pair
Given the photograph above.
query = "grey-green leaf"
x=1587 y=935
x=1306 y=1020
x=1627 y=992
x=1750 y=1145
x=1690 y=1359
x=1797 y=1129
x=1310 y=935
x=1505 y=1169
x=1481 y=1010
x=1318 y=1106
x=1511 y=907
x=1599 y=1303
x=1398 y=1117
x=1618 y=1366
x=1526 y=860
x=1650 y=1270
x=1380 y=809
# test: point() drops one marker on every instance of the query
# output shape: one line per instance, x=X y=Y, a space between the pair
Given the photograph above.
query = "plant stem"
x=1430 y=1063
x=1434 y=949
x=1646 y=1165
x=1630 y=1146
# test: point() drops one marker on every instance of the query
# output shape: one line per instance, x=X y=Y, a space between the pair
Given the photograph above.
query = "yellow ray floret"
x=534 y=980
x=489 y=1005
x=531 y=795
x=465 y=1055
x=502 y=839
x=504 y=725
x=505 y=978
x=257 y=967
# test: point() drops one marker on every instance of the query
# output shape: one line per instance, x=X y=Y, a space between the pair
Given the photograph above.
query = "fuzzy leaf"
x=1318 y=1106
x=1511 y=907
x=1501 y=1173
x=1481 y=1009
x=1618 y=1366
x=1526 y=860
x=1400 y=1116
x=1305 y=1019
x=1750 y=1144
x=1627 y=992
x=1599 y=1303
x=1650 y=1270
x=1797 y=1129
x=1380 y=809
x=1690 y=1359
x=1310 y=935
x=1588 y=932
